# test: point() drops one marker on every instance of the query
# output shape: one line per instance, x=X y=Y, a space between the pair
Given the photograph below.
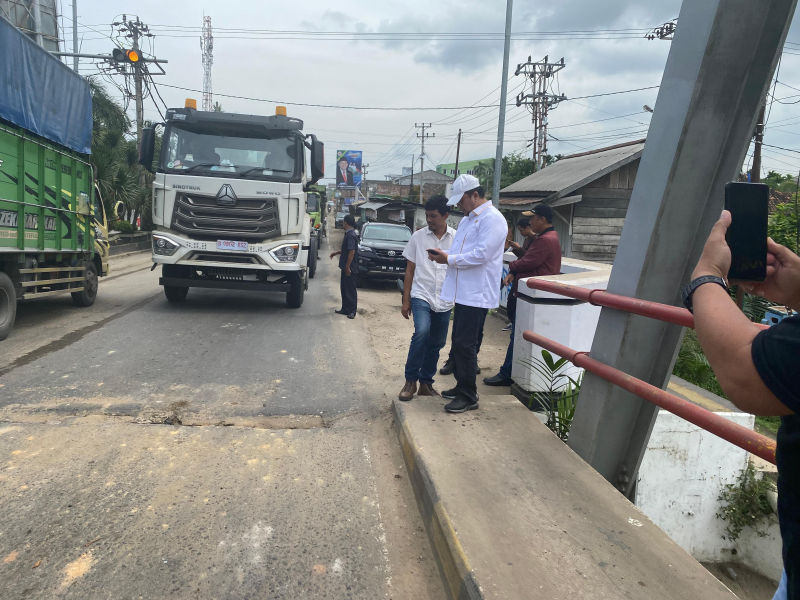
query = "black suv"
x=380 y=251
x=338 y=220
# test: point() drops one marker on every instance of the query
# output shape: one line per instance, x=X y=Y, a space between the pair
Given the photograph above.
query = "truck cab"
x=230 y=201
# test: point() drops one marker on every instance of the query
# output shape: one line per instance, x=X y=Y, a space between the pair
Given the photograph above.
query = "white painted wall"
x=682 y=473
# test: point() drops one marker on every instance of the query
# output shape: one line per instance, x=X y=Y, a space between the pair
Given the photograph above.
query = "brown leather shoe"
x=426 y=389
x=408 y=391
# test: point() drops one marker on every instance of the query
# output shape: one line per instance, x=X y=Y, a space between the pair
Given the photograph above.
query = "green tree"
x=217 y=107
x=515 y=167
x=783 y=226
x=775 y=180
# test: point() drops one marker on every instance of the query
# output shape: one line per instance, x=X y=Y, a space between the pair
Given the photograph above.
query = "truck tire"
x=87 y=296
x=294 y=297
x=312 y=258
x=8 y=305
x=175 y=294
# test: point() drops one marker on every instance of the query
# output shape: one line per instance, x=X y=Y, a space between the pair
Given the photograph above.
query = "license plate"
x=231 y=245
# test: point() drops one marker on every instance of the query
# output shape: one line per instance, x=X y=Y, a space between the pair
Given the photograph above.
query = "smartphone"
x=748 y=204
x=433 y=251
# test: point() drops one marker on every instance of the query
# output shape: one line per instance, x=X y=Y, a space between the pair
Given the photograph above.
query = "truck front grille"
x=251 y=219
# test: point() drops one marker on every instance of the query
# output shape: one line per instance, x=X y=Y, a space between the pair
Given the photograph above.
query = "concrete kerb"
x=450 y=556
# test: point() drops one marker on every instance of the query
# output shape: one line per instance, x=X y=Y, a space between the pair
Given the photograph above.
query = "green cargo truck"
x=316 y=213
x=49 y=210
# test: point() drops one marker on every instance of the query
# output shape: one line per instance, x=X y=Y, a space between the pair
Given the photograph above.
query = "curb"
x=450 y=556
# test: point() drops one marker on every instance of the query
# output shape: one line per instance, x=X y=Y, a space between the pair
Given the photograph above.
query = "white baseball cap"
x=463 y=183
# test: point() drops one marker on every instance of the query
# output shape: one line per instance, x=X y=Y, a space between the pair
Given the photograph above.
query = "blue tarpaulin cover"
x=41 y=94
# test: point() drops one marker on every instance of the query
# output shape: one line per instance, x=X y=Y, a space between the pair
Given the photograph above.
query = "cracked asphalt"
x=228 y=447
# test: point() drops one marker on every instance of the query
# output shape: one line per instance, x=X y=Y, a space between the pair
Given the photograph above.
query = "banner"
x=348 y=169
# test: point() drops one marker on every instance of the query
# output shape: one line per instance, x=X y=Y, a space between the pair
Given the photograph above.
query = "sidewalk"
x=513 y=513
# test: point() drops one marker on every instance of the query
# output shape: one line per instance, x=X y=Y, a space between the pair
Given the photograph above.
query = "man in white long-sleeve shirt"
x=474 y=271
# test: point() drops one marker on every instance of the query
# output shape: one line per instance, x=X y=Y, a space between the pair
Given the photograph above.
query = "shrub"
x=744 y=503
x=123 y=226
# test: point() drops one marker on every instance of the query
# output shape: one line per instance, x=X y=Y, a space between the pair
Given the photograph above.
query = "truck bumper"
x=253 y=286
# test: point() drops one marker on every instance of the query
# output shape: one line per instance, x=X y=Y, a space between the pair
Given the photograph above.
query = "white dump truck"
x=229 y=201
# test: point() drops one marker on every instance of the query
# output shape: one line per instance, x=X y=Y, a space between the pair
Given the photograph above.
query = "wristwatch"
x=688 y=290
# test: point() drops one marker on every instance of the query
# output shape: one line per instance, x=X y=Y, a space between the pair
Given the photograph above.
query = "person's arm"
x=337 y=253
x=407 y=283
x=535 y=256
x=725 y=334
x=518 y=251
x=350 y=255
x=490 y=233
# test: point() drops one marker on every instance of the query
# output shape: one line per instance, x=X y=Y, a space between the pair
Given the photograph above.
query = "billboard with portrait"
x=348 y=169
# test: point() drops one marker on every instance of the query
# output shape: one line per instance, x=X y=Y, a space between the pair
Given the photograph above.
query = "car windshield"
x=386 y=234
x=230 y=150
x=341 y=215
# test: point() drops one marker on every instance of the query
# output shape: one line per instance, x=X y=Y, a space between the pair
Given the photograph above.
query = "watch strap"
x=689 y=289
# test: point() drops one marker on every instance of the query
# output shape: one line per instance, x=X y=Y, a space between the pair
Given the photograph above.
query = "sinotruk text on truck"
x=229 y=201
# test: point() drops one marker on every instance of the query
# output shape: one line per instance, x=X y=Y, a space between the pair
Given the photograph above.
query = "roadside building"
x=589 y=193
x=466 y=167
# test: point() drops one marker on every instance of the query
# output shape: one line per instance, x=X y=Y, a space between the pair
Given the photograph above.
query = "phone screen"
x=748 y=204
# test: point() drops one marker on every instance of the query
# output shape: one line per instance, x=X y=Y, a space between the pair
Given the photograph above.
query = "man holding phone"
x=474 y=269
x=757 y=369
x=422 y=288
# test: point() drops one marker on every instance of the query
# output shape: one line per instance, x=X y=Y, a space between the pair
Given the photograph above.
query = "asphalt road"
x=226 y=447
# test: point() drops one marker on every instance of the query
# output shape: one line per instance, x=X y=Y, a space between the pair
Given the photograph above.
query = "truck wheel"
x=175 y=294
x=8 y=305
x=87 y=296
x=294 y=297
x=312 y=258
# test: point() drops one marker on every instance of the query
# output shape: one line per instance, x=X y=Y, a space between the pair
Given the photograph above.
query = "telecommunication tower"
x=207 y=47
x=539 y=97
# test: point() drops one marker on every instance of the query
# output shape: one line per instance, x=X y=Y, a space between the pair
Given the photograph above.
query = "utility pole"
x=75 y=59
x=207 y=53
x=501 y=123
x=364 y=180
x=411 y=187
x=135 y=30
x=540 y=102
x=423 y=137
x=755 y=171
x=458 y=151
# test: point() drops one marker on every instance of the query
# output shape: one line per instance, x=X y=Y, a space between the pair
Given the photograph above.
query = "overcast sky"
x=423 y=73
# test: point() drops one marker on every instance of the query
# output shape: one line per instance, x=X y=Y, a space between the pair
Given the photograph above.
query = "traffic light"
x=128 y=56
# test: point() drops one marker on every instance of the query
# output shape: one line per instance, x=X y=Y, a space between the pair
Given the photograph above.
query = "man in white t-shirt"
x=474 y=271
x=422 y=298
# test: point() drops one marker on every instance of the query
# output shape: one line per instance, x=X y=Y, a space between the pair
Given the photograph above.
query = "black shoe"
x=448 y=368
x=498 y=380
x=351 y=316
x=450 y=394
x=460 y=405
x=340 y=312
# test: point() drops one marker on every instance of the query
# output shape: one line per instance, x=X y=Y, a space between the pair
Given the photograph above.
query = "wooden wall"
x=598 y=218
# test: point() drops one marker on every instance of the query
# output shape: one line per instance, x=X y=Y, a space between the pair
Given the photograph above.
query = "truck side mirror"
x=317 y=159
x=148 y=148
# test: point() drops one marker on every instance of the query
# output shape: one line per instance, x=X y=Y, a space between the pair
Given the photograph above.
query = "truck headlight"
x=163 y=245
x=285 y=253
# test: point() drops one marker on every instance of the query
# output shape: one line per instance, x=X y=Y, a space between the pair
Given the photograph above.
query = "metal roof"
x=572 y=172
x=374 y=205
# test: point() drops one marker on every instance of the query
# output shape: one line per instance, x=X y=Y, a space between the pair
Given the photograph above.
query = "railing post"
x=719 y=68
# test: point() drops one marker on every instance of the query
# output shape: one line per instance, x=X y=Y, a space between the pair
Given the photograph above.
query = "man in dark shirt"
x=759 y=370
x=348 y=258
x=542 y=257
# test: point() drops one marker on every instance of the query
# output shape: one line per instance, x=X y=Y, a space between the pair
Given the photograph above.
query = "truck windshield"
x=230 y=150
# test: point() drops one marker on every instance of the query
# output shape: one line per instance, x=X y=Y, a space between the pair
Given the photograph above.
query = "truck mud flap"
x=253 y=286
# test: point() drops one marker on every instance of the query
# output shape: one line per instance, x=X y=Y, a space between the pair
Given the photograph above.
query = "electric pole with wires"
x=207 y=49
x=539 y=98
x=422 y=137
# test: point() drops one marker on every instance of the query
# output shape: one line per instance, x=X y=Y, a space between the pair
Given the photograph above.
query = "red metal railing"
x=738 y=435
x=661 y=312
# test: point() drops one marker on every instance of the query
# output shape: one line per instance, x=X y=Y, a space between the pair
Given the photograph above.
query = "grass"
x=692 y=365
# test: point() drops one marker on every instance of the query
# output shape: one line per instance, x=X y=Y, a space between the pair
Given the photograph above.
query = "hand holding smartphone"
x=433 y=251
x=748 y=204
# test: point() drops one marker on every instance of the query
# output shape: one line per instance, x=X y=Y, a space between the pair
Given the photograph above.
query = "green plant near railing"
x=744 y=504
x=560 y=396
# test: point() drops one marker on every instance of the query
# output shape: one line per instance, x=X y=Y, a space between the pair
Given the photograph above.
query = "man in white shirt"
x=421 y=297
x=474 y=271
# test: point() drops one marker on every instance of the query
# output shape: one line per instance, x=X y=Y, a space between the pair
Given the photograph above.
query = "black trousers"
x=451 y=357
x=467 y=331
x=349 y=293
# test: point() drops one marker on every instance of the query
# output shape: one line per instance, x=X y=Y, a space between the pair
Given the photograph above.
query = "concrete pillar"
x=720 y=65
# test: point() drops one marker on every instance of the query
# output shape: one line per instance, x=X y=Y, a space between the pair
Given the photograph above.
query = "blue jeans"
x=781 y=593
x=505 y=370
x=430 y=336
